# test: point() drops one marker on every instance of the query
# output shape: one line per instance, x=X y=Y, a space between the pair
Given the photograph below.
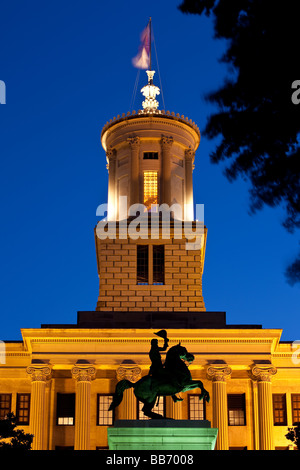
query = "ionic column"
x=263 y=373
x=131 y=372
x=40 y=376
x=111 y=166
x=134 y=143
x=166 y=145
x=83 y=374
x=219 y=373
x=189 y=197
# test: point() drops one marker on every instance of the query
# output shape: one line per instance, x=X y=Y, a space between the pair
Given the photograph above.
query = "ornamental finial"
x=150 y=91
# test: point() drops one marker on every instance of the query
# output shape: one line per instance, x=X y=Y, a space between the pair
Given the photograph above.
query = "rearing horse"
x=174 y=378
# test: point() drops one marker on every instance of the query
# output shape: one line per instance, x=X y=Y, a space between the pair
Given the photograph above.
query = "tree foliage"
x=294 y=435
x=11 y=438
x=256 y=120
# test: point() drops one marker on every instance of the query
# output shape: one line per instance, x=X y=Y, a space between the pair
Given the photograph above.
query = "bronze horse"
x=174 y=378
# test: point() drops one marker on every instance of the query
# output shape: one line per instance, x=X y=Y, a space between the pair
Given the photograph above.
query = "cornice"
x=132 y=120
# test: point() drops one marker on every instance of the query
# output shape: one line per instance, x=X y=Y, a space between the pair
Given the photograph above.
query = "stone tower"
x=150 y=250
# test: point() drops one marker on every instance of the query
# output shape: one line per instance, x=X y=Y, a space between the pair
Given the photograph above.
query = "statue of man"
x=157 y=368
x=154 y=354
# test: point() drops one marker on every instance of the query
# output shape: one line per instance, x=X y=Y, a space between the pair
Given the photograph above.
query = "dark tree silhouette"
x=11 y=438
x=294 y=435
x=258 y=118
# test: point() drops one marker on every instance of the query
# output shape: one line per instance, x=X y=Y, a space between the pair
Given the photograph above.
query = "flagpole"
x=150 y=43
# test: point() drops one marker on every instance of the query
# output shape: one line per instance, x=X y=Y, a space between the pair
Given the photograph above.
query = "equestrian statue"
x=166 y=379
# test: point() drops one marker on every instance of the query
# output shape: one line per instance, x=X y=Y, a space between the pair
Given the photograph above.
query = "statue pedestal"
x=161 y=434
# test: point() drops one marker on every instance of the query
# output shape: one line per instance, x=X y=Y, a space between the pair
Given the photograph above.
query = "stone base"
x=161 y=434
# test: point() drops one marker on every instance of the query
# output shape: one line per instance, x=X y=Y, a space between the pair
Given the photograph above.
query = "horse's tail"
x=118 y=395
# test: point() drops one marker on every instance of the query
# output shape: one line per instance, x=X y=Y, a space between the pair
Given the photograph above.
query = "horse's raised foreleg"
x=192 y=384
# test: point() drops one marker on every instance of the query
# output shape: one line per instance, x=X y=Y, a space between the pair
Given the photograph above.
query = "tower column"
x=263 y=373
x=83 y=374
x=219 y=373
x=189 y=166
x=128 y=407
x=111 y=166
x=40 y=375
x=166 y=145
x=134 y=143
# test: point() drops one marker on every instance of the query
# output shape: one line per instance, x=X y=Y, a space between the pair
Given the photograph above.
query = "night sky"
x=67 y=69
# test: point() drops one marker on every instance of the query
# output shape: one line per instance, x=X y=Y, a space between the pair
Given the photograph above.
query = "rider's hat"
x=162 y=334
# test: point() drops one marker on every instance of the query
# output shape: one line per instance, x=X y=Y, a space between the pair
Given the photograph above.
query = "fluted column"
x=131 y=372
x=173 y=410
x=111 y=166
x=134 y=143
x=263 y=373
x=83 y=376
x=189 y=197
x=40 y=375
x=219 y=373
x=166 y=145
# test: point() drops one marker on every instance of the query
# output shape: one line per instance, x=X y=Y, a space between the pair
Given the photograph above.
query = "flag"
x=142 y=59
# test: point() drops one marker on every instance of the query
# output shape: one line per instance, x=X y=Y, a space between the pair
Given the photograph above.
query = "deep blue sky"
x=67 y=69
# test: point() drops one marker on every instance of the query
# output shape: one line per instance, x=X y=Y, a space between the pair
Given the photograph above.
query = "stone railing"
x=157 y=113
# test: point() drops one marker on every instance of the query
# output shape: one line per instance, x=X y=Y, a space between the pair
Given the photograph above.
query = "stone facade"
x=117 y=268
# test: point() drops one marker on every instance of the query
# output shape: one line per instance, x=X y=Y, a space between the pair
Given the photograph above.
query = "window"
x=158 y=264
x=105 y=417
x=23 y=407
x=236 y=410
x=5 y=404
x=279 y=409
x=160 y=409
x=150 y=189
x=196 y=407
x=153 y=257
x=296 y=408
x=65 y=411
x=142 y=264
x=150 y=156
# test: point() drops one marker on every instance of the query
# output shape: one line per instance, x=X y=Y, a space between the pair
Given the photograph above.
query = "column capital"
x=189 y=154
x=111 y=156
x=39 y=372
x=134 y=142
x=111 y=153
x=166 y=142
x=218 y=372
x=263 y=372
x=131 y=372
x=83 y=373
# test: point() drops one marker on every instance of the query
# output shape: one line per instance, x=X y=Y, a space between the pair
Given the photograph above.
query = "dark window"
x=279 y=409
x=236 y=410
x=105 y=417
x=65 y=411
x=142 y=264
x=23 y=408
x=296 y=408
x=238 y=448
x=150 y=155
x=196 y=407
x=5 y=404
x=158 y=264
x=160 y=408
